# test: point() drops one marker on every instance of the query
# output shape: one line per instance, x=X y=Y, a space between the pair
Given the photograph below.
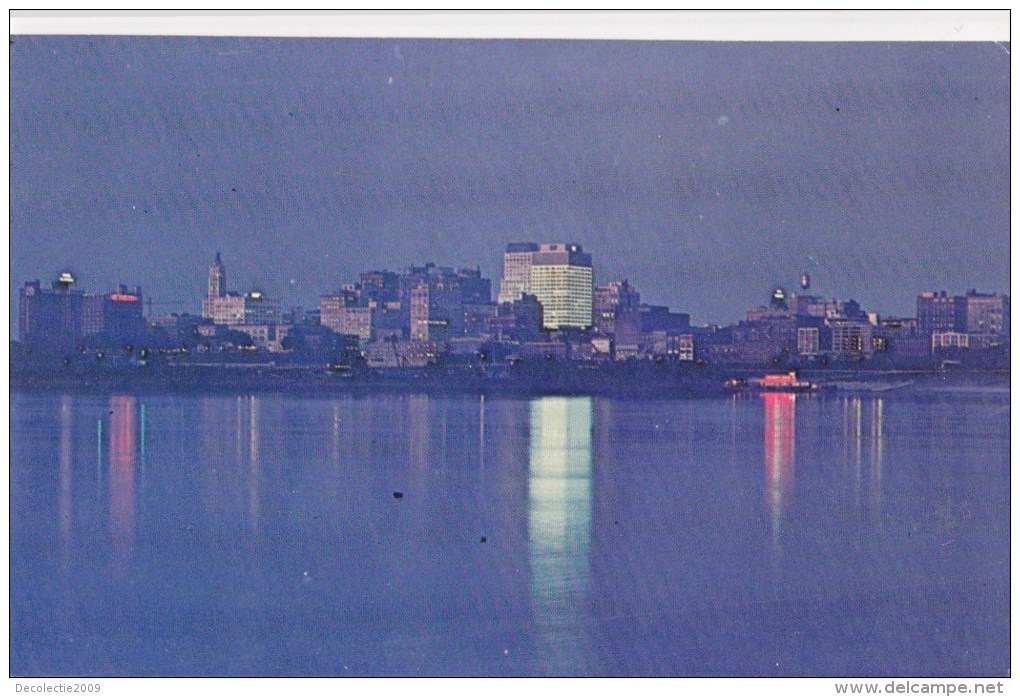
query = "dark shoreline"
x=650 y=381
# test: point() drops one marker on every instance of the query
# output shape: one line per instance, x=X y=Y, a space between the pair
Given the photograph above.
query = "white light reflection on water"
x=123 y=461
x=559 y=529
x=64 y=506
x=877 y=447
x=254 y=468
x=864 y=468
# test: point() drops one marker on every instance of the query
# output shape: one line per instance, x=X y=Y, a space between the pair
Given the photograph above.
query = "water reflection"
x=123 y=459
x=780 y=438
x=559 y=527
x=254 y=473
x=852 y=445
x=64 y=502
x=419 y=435
x=481 y=432
x=232 y=458
x=99 y=457
x=877 y=448
x=863 y=453
x=141 y=449
x=64 y=507
x=335 y=433
x=859 y=455
x=406 y=587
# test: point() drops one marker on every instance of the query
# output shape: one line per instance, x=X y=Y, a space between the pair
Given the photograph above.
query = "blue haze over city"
x=705 y=173
x=420 y=481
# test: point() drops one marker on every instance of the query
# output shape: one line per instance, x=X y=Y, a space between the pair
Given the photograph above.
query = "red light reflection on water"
x=123 y=459
x=780 y=435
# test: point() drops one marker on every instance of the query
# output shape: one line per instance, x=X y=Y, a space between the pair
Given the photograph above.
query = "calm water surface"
x=260 y=535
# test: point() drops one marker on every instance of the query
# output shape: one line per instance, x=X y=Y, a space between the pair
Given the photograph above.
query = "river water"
x=269 y=535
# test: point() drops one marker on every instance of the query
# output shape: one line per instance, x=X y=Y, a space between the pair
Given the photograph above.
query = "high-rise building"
x=817 y=306
x=984 y=317
x=261 y=309
x=437 y=309
x=117 y=315
x=852 y=338
x=609 y=300
x=937 y=312
x=561 y=279
x=475 y=288
x=983 y=314
x=520 y=320
x=808 y=341
x=50 y=317
x=341 y=313
x=436 y=303
x=516 y=279
x=378 y=288
x=62 y=316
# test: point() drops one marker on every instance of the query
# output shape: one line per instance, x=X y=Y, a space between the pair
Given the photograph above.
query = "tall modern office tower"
x=516 y=279
x=217 y=279
x=561 y=278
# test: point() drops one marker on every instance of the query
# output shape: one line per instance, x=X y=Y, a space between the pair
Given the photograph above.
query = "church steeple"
x=217 y=279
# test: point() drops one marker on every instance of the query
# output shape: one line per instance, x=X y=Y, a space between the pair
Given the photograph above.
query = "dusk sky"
x=705 y=173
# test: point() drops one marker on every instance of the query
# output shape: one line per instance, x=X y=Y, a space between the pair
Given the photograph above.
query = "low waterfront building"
x=398 y=353
x=542 y=350
x=663 y=345
x=268 y=337
x=949 y=340
x=602 y=348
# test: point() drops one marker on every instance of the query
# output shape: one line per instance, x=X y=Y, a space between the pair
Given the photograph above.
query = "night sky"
x=705 y=173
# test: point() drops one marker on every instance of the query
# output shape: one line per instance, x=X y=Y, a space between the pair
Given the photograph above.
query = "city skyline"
x=197 y=306
x=704 y=173
x=615 y=344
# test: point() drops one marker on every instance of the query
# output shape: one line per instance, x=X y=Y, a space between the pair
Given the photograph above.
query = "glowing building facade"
x=226 y=307
x=516 y=279
x=561 y=279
